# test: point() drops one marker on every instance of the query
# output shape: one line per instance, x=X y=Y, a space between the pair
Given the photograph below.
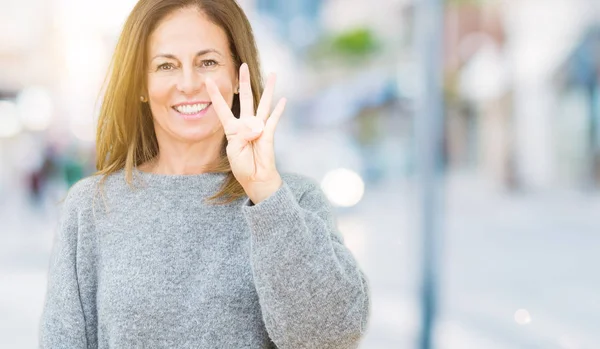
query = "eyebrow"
x=198 y=54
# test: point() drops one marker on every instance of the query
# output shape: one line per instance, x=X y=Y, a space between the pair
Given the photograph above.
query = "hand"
x=250 y=148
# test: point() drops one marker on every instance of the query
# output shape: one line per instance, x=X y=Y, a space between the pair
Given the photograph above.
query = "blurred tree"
x=357 y=42
x=351 y=46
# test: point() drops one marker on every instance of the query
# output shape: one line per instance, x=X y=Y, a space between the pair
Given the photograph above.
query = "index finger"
x=221 y=107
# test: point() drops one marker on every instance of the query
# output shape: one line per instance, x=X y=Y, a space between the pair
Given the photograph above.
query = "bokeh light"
x=343 y=187
x=522 y=317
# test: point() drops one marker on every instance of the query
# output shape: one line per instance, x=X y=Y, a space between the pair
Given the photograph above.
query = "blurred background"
x=518 y=205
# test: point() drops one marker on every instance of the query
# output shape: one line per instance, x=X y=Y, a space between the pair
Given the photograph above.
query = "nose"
x=190 y=81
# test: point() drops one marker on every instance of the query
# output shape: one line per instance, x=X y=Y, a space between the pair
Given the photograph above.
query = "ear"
x=144 y=95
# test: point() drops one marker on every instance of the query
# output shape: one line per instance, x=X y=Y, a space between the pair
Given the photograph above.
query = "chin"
x=190 y=131
x=193 y=136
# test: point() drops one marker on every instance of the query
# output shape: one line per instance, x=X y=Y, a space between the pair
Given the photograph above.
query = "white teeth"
x=192 y=109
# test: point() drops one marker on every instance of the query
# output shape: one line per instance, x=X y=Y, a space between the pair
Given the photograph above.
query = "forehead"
x=186 y=30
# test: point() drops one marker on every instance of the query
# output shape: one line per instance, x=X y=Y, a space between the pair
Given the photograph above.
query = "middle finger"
x=246 y=99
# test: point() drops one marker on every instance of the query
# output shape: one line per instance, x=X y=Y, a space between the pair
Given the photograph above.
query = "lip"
x=196 y=116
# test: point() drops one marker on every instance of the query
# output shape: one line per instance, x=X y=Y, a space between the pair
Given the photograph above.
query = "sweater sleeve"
x=62 y=323
x=311 y=290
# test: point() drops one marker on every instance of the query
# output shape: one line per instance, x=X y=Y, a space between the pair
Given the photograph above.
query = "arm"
x=311 y=291
x=62 y=322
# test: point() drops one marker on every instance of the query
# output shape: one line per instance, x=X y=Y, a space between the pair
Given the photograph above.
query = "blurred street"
x=547 y=243
x=517 y=108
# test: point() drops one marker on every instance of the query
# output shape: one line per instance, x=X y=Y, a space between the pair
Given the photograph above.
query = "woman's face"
x=184 y=49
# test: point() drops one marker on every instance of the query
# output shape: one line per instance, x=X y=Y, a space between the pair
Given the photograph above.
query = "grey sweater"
x=158 y=267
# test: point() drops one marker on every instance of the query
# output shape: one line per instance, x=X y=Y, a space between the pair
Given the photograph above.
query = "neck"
x=183 y=159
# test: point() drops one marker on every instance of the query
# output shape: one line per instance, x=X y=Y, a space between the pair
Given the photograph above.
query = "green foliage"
x=353 y=46
x=356 y=42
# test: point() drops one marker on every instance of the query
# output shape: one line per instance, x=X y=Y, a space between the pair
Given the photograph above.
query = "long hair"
x=125 y=135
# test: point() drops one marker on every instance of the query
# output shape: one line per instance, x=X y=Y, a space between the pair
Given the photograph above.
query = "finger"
x=264 y=108
x=246 y=101
x=221 y=107
x=271 y=123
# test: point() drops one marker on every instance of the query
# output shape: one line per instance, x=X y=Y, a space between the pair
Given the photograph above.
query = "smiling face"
x=184 y=49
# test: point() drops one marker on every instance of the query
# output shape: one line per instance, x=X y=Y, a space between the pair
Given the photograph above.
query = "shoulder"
x=81 y=194
x=76 y=207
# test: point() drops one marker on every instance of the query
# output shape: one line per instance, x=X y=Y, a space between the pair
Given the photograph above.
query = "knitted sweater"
x=155 y=266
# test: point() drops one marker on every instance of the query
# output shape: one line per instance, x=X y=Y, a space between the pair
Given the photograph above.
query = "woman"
x=189 y=237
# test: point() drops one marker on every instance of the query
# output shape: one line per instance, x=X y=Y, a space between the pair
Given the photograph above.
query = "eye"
x=165 y=67
x=209 y=63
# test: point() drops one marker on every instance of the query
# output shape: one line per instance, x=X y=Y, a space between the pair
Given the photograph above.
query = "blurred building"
x=577 y=83
x=501 y=101
x=478 y=91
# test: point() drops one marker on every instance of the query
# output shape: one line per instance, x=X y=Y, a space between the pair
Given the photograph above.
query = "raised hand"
x=250 y=147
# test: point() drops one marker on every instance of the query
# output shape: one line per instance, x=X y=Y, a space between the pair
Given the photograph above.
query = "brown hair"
x=125 y=136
